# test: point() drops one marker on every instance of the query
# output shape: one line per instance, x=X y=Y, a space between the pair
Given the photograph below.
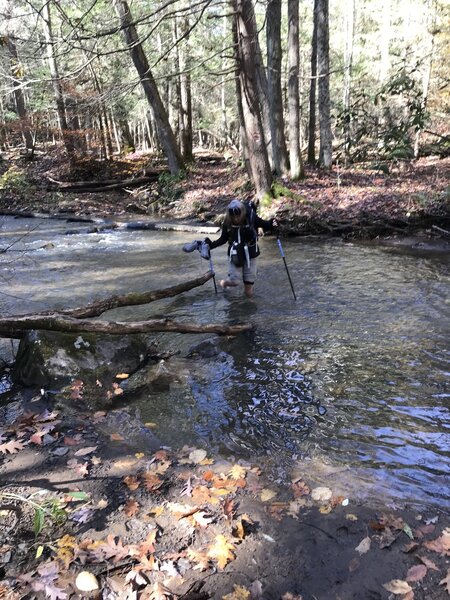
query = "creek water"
x=349 y=384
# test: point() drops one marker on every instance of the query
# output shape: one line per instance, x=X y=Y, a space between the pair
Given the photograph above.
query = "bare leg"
x=248 y=289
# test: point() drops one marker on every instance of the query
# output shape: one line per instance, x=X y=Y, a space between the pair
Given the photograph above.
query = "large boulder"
x=50 y=359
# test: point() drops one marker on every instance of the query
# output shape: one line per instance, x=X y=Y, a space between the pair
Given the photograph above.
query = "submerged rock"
x=47 y=358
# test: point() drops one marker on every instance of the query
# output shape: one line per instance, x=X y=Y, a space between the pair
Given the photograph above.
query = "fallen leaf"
x=397 y=587
x=131 y=508
x=237 y=472
x=131 y=482
x=221 y=551
x=321 y=494
x=441 y=544
x=325 y=509
x=364 y=546
x=427 y=562
x=196 y=456
x=200 y=559
x=11 y=447
x=201 y=518
x=300 y=488
x=122 y=376
x=416 y=573
x=84 y=451
x=351 y=517
x=238 y=593
x=267 y=495
x=151 y=481
x=353 y=564
x=446 y=581
x=116 y=437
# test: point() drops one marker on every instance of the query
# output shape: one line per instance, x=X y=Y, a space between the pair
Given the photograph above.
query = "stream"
x=348 y=385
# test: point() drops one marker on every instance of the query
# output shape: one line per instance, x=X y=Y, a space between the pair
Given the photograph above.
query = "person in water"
x=240 y=230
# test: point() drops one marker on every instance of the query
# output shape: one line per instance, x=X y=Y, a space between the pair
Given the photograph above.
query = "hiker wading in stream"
x=240 y=230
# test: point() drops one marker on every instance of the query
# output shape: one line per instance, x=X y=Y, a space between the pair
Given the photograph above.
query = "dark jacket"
x=247 y=233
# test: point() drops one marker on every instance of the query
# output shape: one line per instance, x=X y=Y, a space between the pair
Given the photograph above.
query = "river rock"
x=48 y=359
x=156 y=378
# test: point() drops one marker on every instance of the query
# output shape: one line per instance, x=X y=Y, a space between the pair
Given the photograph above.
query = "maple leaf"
x=237 y=472
x=446 y=581
x=158 y=591
x=222 y=551
x=131 y=508
x=238 y=593
x=148 y=545
x=300 y=488
x=113 y=550
x=11 y=447
x=200 y=559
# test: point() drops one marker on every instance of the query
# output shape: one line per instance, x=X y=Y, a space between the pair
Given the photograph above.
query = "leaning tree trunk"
x=253 y=131
x=312 y=92
x=323 y=64
x=165 y=133
x=56 y=80
x=293 y=95
x=274 y=94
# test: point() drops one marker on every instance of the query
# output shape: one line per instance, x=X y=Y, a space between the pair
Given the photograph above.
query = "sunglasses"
x=235 y=211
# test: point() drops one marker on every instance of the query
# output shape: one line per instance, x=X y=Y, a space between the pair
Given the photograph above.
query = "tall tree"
x=164 y=130
x=252 y=125
x=56 y=79
x=348 y=64
x=274 y=55
x=295 y=154
x=323 y=68
x=312 y=92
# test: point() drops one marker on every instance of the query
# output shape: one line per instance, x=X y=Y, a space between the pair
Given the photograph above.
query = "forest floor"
x=82 y=509
x=363 y=201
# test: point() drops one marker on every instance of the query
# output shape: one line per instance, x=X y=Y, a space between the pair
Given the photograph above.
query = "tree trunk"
x=185 y=114
x=56 y=81
x=323 y=67
x=293 y=91
x=312 y=92
x=348 y=64
x=273 y=31
x=253 y=132
x=165 y=133
x=19 y=96
x=77 y=319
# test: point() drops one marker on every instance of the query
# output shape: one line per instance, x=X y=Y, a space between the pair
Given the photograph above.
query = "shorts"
x=248 y=273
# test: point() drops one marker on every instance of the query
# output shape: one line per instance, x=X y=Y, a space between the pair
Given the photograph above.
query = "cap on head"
x=235 y=208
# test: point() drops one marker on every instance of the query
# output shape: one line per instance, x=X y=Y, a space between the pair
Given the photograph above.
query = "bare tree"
x=258 y=160
x=323 y=64
x=295 y=155
x=274 y=55
x=164 y=130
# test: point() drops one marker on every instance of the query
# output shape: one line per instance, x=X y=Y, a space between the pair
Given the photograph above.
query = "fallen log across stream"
x=76 y=320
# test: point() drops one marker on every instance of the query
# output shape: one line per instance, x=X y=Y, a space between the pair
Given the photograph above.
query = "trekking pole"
x=285 y=265
x=212 y=271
